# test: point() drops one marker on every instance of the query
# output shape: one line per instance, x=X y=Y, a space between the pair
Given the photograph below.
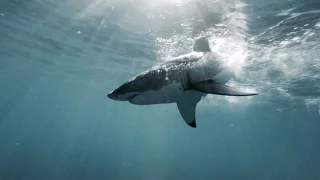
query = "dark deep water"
x=59 y=59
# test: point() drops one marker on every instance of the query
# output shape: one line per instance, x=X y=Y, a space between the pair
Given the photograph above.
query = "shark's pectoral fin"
x=188 y=111
x=210 y=87
x=187 y=108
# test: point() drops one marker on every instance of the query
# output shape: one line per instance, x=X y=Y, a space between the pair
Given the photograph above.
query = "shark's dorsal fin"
x=210 y=87
x=187 y=107
x=202 y=45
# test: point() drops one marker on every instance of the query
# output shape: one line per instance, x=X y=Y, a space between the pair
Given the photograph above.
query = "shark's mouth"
x=131 y=99
x=133 y=96
x=139 y=99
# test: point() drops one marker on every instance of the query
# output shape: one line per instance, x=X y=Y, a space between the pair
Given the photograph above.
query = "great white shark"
x=183 y=80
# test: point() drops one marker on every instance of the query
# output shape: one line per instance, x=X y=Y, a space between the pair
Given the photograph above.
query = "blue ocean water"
x=59 y=59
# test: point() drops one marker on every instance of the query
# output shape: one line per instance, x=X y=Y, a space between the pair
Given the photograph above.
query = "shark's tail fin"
x=202 y=45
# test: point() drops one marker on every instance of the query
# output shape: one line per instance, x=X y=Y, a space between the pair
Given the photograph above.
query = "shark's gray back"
x=174 y=71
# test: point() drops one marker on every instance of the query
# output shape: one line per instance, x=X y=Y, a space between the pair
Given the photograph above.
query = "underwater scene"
x=159 y=89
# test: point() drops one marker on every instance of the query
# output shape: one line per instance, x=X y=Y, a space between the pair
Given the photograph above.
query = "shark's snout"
x=112 y=95
x=120 y=96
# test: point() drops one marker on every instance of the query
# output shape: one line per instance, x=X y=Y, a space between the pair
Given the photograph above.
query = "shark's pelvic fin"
x=187 y=107
x=210 y=87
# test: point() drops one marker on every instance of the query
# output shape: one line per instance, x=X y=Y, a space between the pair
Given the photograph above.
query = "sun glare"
x=157 y=3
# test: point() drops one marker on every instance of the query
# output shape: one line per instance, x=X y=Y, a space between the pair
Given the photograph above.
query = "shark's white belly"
x=168 y=94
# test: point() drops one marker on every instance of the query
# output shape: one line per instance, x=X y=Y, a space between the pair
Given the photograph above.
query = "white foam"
x=285 y=12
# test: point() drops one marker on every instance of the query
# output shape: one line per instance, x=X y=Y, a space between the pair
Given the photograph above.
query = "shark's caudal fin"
x=187 y=107
x=210 y=87
x=202 y=45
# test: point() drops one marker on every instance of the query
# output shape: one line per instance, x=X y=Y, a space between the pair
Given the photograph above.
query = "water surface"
x=59 y=59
